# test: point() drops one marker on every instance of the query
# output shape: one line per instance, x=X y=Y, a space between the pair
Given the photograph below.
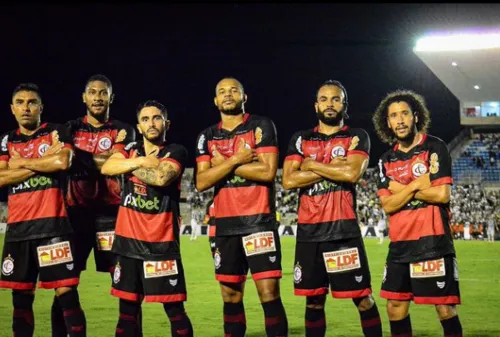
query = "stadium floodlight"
x=477 y=87
x=454 y=64
x=453 y=42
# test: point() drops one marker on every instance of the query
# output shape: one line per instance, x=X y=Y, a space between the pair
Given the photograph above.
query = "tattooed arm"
x=166 y=172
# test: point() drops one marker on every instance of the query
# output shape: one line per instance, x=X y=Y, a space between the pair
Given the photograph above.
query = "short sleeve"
x=360 y=143
x=62 y=133
x=177 y=155
x=4 y=148
x=202 y=153
x=127 y=150
x=266 y=138
x=440 y=164
x=294 y=151
x=382 y=180
x=125 y=135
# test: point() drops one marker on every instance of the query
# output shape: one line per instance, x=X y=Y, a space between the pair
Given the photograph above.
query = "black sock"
x=73 y=314
x=57 y=320
x=23 y=323
x=276 y=321
x=180 y=324
x=315 y=322
x=401 y=328
x=139 y=323
x=127 y=321
x=370 y=322
x=235 y=322
x=452 y=327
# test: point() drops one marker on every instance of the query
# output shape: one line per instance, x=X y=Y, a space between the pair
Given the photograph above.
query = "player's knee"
x=316 y=302
x=446 y=311
x=397 y=310
x=63 y=290
x=232 y=292
x=174 y=309
x=364 y=303
x=268 y=290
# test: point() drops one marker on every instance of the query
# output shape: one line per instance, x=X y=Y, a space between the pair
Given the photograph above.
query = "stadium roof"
x=467 y=63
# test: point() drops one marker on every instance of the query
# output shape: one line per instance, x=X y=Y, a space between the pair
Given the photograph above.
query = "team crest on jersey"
x=42 y=148
x=338 y=151
x=434 y=164
x=258 y=135
x=117 y=275
x=8 y=266
x=5 y=141
x=354 y=143
x=105 y=143
x=297 y=273
x=418 y=168
x=217 y=259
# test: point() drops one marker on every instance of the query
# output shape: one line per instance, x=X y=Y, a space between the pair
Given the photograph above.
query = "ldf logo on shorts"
x=54 y=254
x=431 y=268
x=259 y=243
x=160 y=268
x=342 y=260
x=105 y=240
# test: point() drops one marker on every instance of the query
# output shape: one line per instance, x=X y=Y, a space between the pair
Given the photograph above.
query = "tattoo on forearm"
x=147 y=175
x=158 y=177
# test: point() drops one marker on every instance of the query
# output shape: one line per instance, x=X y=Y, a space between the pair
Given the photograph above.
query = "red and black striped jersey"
x=419 y=231
x=36 y=207
x=87 y=186
x=327 y=209
x=241 y=206
x=147 y=226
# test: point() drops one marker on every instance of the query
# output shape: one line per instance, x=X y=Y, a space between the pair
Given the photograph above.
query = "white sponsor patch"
x=358 y=278
x=154 y=269
x=441 y=285
x=173 y=282
x=105 y=143
x=259 y=243
x=105 y=240
x=342 y=260
x=129 y=146
x=425 y=269
x=298 y=145
x=8 y=266
x=201 y=141
x=5 y=140
x=54 y=254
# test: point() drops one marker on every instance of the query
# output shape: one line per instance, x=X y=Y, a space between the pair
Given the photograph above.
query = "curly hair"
x=417 y=106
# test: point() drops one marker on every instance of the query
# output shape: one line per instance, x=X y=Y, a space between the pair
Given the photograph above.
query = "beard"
x=100 y=116
x=331 y=121
x=409 y=137
x=237 y=110
x=157 y=138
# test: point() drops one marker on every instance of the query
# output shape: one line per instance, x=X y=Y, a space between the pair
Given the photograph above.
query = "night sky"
x=176 y=53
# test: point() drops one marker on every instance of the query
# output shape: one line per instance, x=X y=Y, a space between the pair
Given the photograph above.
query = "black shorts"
x=49 y=260
x=428 y=282
x=340 y=264
x=260 y=252
x=153 y=281
x=211 y=240
x=95 y=233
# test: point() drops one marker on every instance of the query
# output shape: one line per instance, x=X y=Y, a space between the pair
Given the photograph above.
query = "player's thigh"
x=263 y=253
x=309 y=273
x=347 y=266
x=127 y=279
x=396 y=282
x=229 y=259
x=83 y=224
x=56 y=262
x=19 y=266
x=435 y=281
x=164 y=281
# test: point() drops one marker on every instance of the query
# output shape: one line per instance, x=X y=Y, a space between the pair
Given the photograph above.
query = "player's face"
x=97 y=97
x=402 y=121
x=330 y=105
x=26 y=107
x=229 y=97
x=152 y=124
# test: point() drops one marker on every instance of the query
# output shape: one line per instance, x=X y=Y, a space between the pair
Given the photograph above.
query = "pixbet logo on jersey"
x=154 y=269
x=142 y=203
x=54 y=254
x=105 y=240
x=259 y=243
x=32 y=183
x=342 y=260
x=432 y=268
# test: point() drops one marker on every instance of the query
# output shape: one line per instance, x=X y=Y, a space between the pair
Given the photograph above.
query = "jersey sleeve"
x=360 y=143
x=294 y=151
x=266 y=137
x=177 y=155
x=62 y=134
x=127 y=150
x=202 y=153
x=440 y=164
x=125 y=135
x=382 y=180
x=4 y=148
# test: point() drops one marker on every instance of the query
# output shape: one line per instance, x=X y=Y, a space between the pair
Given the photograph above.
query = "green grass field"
x=479 y=272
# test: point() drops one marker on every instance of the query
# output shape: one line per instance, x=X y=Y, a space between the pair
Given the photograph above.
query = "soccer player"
x=38 y=242
x=93 y=198
x=491 y=228
x=325 y=163
x=381 y=229
x=414 y=183
x=239 y=156
x=147 y=242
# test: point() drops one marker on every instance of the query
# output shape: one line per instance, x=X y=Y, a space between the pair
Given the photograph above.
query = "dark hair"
x=154 y=103
x=336 y=84
x=27 y=87
x=417 y=106
x=100 y=78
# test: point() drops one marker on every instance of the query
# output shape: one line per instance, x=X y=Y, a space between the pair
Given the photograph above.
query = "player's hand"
x=217 y=157
x=149 y=161
x=16 y=161
x=53 y=149
x=422 y=182
x=244 y=154
x=395 y=187
x=307 y=164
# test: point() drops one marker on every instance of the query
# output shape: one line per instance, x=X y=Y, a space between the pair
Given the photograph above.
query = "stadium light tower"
x=453 y=42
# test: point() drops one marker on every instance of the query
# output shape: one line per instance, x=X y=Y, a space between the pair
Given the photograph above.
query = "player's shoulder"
x=360 y=132
x=119 y=124
x=259 y=120
x=435 y=141
x=176 y=147
x=49 y=127
x=387 y=155
x=304 y=134
x=209 y=132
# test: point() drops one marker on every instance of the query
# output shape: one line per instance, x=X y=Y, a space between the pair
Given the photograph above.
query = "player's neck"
x=231 y=122
x=97 y=122
x=406 y=146
x=150 y=147
x=329 y=129
x=29 y=132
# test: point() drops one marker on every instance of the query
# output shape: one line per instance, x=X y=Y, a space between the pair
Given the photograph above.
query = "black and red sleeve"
x=125 y=135
x=440 y=164
x=4 y=148
x=382 y=179
x=202 y=153
x=178 y=156
x=360 y=143
x=266 y=137
x=294 y=151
